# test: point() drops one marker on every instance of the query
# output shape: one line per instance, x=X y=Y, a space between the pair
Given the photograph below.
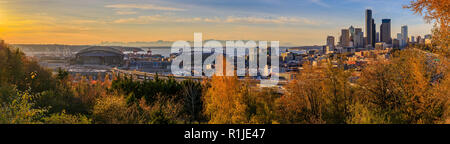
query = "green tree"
x=261 y=106
x=112 y=110
x=63 y=118
x=403 y=90
x=192 y=102
x=338 y=92
x=20 y=110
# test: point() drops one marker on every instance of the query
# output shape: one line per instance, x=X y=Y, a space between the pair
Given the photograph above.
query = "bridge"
x=138 y=75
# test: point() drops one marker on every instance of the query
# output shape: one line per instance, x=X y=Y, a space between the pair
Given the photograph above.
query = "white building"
x=404 y=35
x=400 y=40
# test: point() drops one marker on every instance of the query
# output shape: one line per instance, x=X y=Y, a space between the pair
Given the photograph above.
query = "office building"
x=358 y=39
x=378 y=37
x=374 y=33
x=404 y=36
x=369 y=27
x=352 y=32
x=330 y=42
x=400 y=40
x=345 y=38
x=385 y=31
x=395 y=43
x=418 y=39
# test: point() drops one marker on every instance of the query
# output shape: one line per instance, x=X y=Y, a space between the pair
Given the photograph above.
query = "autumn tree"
x=192 y=100
x=304 y=101
x=114 y=110
x=225 y=101
x=64 y=118
x=402 y=90
x=20 y=110
x=165 y=110
x=338 y=91
x=261 y=106
x=320 y=94
x=437 y=11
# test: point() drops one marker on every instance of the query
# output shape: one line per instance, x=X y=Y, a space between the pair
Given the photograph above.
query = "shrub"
x=20 y=110
x=63 y=118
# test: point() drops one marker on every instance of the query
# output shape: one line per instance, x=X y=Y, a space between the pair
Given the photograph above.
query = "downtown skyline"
x=293 y=23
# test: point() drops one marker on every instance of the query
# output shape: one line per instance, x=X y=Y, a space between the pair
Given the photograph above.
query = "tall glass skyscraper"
x=404 y=35
x=400 y=40
x=385 y=31
x=370 y=28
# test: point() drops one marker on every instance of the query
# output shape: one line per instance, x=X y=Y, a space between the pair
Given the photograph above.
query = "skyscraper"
x=358 y=39
x=345 y=38
x=385 y=31
x=404 y=36
x=395 y=43
x=400 y=40
x=352 y=32
x=330 y=42
x=374 y=33
x=369 y=25
x=418 y=39
x=378 y=37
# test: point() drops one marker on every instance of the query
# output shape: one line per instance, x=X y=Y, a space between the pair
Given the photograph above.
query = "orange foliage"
x=408 y=89
x=439 y=12
x=304 y=98
x=224 y=101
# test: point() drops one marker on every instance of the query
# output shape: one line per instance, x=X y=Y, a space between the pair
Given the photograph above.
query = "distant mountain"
x=161 y=43
x=64 y=48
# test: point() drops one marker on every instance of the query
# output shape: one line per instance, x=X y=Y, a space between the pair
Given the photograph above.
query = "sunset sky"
x=292 y=22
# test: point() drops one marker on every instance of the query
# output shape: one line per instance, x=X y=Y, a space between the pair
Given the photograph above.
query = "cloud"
x=320 y=3
x=269 y=20
x=144 y=7
x=83 y=21
x=229 y=19
x=141 y=20
x=126 y=12
x=213 y=20
x=189 y=20
x=160 y=18
x=198 y=19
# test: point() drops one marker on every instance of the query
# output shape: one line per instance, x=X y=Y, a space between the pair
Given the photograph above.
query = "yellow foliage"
x=407 y=89
x=224 y=101
x=303 y=102
x=437 y=11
